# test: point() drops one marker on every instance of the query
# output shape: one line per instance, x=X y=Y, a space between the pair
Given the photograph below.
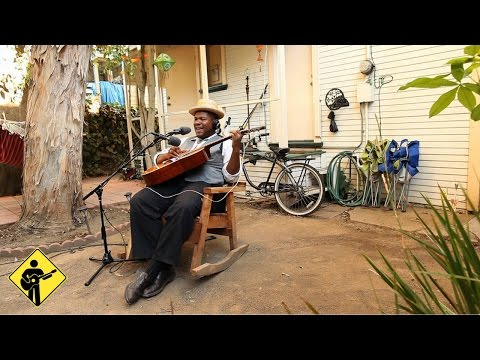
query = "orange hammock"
x=11 y=149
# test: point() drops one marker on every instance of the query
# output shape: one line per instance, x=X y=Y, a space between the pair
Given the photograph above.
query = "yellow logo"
x=37 y=277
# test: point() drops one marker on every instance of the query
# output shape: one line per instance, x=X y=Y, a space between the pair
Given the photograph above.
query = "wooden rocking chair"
x=221 y=223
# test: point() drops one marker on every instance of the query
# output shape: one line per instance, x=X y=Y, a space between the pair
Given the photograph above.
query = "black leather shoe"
x=134 y=290
x=163 y=278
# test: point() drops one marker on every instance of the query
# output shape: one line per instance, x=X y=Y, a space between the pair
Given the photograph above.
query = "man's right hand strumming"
x=173 y=152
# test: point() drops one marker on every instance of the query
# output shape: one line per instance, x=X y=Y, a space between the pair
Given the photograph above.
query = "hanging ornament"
x=164 y=62
x=259 y=58
x=259 y=49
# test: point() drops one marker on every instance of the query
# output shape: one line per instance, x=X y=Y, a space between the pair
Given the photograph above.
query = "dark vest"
x=211 y=171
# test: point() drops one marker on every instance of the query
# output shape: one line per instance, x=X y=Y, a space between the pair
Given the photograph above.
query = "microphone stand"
x=107 y=256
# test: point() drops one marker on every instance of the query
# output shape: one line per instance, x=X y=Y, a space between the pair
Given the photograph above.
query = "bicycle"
x=298 y=186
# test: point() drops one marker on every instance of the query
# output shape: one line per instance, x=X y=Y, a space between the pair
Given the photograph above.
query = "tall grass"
x=453 y=288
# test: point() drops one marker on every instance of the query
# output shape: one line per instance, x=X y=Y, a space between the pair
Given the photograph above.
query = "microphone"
x=174 y=141
x=181 y=131
x=157 y=135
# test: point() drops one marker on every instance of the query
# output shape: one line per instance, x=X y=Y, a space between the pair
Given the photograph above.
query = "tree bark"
x=145 y=79
x=52 y=174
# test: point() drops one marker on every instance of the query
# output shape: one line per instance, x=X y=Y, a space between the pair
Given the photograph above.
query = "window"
x=216 y=68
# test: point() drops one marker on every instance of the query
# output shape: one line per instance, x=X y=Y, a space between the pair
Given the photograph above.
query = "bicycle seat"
x=280 y=152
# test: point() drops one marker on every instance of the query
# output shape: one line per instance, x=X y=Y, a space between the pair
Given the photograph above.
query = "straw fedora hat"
x=207 y=105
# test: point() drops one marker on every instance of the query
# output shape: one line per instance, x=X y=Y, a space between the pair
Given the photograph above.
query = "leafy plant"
x=461 y=70
x=114 y=55
x=449 y=245
x=105 y=141
x=14 y=80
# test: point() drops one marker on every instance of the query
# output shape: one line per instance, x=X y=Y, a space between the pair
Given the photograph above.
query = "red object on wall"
x=11 y=149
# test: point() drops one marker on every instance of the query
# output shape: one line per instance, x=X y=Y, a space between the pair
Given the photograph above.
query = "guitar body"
x=28 y=285
x=34 y=279
x=169 y=169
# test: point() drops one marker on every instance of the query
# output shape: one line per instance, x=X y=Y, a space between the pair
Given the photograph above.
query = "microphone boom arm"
x=107 y=256
x=158 y=137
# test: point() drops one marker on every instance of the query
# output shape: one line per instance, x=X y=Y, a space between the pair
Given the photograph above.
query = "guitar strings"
x=202 y=195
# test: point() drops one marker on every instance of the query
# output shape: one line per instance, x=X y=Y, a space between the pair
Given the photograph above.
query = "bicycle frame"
x=265 y=187
x=297 y=187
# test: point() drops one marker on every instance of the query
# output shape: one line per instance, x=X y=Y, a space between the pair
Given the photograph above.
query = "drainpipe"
x=368 y=50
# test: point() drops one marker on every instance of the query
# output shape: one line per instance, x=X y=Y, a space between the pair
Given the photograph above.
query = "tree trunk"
x=145 y=78
x=52 y=173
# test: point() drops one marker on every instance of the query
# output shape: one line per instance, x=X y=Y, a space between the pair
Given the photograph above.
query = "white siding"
x=238 y=59
x=339 y=68
x=404 y=114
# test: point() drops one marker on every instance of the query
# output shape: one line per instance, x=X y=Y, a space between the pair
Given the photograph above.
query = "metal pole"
x=247 y=90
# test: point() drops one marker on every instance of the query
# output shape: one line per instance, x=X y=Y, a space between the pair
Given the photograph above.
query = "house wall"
x=444 y=139
x=180 y=84
x=338 y=68
x=239 y=58
x=474 y=166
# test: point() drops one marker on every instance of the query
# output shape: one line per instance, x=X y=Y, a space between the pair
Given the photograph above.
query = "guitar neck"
x=246 y=131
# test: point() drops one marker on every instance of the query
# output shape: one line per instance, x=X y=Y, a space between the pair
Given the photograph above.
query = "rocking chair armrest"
x=241 y=186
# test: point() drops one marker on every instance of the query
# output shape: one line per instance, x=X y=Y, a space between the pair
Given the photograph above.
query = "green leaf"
x=428 y=83
x=472 y=67
x=466 y=98
x=441 y=76
x=457 y=71
x=473 y=87
x=460 y=61
x=472 y=50
x=475 y=116
x=442 y=102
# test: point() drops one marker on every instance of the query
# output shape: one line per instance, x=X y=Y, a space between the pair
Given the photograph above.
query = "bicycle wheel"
x=299 y=189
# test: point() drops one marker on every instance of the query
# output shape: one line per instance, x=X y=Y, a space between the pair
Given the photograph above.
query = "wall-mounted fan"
x=335 y=100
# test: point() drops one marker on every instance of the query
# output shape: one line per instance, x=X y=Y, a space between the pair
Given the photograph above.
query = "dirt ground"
x=290 y=261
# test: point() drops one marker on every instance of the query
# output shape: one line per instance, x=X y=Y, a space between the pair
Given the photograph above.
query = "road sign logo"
x=37 y=277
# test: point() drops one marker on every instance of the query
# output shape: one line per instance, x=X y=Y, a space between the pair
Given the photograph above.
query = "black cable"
x=71 y=250
x=115 y=268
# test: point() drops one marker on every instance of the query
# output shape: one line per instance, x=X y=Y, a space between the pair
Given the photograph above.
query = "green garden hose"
x=345 y=184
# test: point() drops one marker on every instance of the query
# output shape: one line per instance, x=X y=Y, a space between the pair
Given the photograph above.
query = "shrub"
x=105 y=140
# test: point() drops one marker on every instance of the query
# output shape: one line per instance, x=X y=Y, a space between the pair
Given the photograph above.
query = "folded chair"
x=215 y=218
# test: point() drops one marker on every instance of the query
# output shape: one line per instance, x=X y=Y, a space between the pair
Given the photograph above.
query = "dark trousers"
x=150 y=237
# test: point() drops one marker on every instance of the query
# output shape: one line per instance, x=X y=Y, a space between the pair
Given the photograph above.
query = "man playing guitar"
x=178 y=200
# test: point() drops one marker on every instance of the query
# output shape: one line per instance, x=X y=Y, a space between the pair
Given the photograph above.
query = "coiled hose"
x=345 y=182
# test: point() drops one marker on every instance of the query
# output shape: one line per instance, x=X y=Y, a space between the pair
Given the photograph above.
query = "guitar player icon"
x=31 y=281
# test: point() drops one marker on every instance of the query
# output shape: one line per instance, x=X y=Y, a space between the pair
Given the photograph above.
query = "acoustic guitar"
x=34 y=279
x=169 y=169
